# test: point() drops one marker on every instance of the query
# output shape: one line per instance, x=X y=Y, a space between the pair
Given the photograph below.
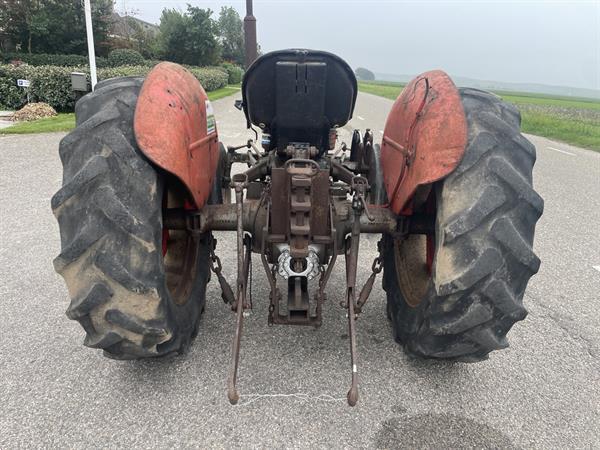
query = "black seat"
x=299 y=95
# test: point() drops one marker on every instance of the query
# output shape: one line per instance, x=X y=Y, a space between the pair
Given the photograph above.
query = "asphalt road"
x=542 y=392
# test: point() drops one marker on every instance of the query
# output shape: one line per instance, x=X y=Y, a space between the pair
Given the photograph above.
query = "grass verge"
x=62 y=122
x=381 y=88
x=574 y=121
x=66 y=121
x=223 y=92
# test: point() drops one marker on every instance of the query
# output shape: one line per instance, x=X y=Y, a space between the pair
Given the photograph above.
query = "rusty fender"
x=175 y=128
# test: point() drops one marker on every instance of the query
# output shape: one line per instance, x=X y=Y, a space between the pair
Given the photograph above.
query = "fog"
x=555 y=43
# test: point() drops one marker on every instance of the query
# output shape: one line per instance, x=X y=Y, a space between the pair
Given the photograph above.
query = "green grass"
x=578 y=132
x=223 y=92
x=66 y=121
x=385 y=89
x=572 y=120
x=62 y=122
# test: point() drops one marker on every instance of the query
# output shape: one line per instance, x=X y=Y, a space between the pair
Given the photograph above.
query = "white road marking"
x=561 y=151
x=360 y=117
x=597 y=268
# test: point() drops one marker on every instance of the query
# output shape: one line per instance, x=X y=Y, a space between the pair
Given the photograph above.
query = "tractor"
x=146 y=181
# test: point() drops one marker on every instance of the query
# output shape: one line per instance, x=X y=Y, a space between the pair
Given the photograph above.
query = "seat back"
x=299 y=95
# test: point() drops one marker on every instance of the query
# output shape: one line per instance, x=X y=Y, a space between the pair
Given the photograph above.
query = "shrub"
x=151 y=62
x=12 y=96
x=49 y=84
x=122 y=71
x=52 y=84
x=210 y=79
x=46 y=59
x=235 y=73
x=125 y=57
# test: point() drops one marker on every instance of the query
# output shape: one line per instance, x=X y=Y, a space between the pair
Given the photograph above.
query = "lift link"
x=359 y=188
x=239 y=183
x=216 y=268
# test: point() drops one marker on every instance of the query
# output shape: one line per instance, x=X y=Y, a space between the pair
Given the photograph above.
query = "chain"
x=216 y=267
x=377 y=265
x=248 y=243
x=376 y=268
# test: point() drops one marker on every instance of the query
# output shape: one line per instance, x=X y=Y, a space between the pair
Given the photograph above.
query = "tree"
x=172 y=38
x=22 y=21
x=54 y=26
x=142 y=40
x=364 y=74
x=190 y=37
x=231 y=35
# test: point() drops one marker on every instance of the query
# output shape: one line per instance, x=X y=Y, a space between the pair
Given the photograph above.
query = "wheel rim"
x=180 y=250
x=414 y=256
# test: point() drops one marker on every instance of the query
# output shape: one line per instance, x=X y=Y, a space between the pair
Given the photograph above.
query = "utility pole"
x=90 y=42
x=250 y=34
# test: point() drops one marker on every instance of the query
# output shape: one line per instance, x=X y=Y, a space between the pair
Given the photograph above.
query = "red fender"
x=424 y=138
x=175 y=128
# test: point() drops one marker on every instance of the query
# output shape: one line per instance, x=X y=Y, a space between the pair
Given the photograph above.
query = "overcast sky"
x=513 y=41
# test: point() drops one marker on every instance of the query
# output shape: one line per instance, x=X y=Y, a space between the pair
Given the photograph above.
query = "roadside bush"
x=121 y=71
x=211 y=79
x=52 y=84
x=125 y=57
x=49 y=84
x=46 y=59
x=235 y=73
x=151 y=62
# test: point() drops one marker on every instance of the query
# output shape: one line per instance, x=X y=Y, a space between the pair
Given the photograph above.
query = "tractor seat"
x=298 y=96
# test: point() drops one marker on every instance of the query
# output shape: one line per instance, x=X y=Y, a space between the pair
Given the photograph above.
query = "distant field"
x=572 y=120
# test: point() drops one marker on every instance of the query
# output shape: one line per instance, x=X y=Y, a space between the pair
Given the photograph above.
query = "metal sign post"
x=90 y=42
x=24 y=84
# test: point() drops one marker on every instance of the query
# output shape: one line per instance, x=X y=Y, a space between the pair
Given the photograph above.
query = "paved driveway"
x=542 y=392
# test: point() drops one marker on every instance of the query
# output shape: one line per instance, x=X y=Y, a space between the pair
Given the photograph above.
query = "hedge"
x=52 y=84
x=125 y=57
x=234 y=72
x=46 y=59
x=118 y=57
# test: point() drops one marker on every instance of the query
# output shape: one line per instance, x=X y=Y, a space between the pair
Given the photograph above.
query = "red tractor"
x=146 y=181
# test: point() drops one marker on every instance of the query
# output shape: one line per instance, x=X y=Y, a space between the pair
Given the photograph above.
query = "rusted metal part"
x=223 y=218
x=175 y=129
x=217 y=268
x=424 y=138
x=300 y=175
x=368 y=286
x=339 y=172
x=351 y=268
x=214 y=218
x=320 y=295
x=239 y=182
x=275 y=295
x=248 y=271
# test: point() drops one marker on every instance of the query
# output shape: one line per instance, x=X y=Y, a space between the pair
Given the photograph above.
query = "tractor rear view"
x=146 y=182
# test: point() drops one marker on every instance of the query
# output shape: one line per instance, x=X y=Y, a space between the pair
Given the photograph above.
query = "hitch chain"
x=216 y=268
x=368 y=286
x=376 y=268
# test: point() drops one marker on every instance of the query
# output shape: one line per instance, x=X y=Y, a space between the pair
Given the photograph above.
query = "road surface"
x=542 y=392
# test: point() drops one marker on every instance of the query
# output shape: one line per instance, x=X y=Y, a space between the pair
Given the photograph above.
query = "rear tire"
x=485 y=221
x=132 y=301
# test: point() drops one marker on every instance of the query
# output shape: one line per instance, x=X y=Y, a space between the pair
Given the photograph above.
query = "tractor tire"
x=462 y=305
x=134 y=295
